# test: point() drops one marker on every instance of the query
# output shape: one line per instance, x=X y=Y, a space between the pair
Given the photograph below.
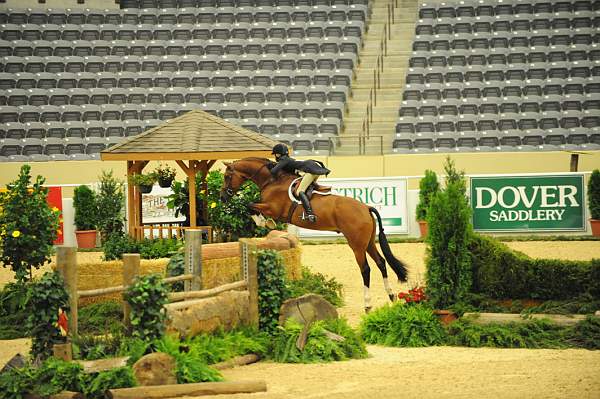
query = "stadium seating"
x=502 y=76
x=73 y=82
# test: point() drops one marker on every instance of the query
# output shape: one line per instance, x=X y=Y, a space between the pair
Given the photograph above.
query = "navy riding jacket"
x=290 y=165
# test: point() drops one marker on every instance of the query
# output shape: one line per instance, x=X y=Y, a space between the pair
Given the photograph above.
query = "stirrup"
x=310 y=217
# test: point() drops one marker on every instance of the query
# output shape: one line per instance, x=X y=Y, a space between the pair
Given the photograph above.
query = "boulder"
x=155 y=369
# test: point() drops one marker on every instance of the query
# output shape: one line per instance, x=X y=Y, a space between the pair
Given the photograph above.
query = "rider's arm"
x=279 y=166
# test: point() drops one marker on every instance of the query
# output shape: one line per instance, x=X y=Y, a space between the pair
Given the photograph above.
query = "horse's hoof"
x=392 y=297
x=368 y=309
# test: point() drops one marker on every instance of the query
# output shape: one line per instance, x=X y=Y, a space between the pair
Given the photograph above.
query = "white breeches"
x=307 y=179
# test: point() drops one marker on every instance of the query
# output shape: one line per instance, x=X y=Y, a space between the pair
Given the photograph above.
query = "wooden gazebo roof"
x=198 y=137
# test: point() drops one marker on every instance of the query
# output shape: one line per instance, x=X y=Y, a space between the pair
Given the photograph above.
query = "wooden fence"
x=67 y=267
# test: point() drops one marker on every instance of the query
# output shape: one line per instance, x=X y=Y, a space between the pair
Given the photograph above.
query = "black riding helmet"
x=280 y=149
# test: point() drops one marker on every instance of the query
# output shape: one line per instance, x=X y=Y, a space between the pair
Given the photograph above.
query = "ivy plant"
x=46 y=296
x=272 y=290
x=147 y=297
x=28 y=226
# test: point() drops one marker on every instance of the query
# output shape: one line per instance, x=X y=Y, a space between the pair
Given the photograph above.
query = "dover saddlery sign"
x=386 y=194
x=521 y=203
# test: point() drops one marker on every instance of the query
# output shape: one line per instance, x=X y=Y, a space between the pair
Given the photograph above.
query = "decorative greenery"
x=220 y=346
x=271 y=288
x=319 y=347
x=46 y=295
x=585 y=334
x=147 y=297
x=191 y=366
x=92 y=347
x=98 y=318
x=13 y=311
x=316 y=283
x=399 y=324
x=499 y=272
x=97 y=384
x=176 y=267
x=593 y=194
x=141 y=179
x=428 y=188
x=28 y=226
x=86 y=208
x=157 y=248
x=110 y=200
x=449 y=275
x=165 y=175
x=179 y=200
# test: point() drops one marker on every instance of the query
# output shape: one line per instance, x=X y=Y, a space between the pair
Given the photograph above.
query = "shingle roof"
x=194 y=135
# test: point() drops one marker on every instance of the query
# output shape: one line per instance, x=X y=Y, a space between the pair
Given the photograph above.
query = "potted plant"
x=86 y=211
x=165 y=175
x=428 y=187
x=594 y=202
x=143 y=181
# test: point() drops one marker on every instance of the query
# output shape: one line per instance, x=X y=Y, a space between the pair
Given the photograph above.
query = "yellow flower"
x=202 y=191
x=213 y=205
x=59 y=232
x=16 y=233
x=55 y=209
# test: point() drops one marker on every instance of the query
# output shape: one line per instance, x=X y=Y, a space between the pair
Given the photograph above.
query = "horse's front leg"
x=261 y=210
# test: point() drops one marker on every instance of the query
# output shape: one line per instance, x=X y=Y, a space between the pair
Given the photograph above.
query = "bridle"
x=230 y=191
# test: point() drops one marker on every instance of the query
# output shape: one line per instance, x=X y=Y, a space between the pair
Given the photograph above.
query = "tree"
x=428 y=187
x=28 y=226
x=449 y=271
x=111 y=203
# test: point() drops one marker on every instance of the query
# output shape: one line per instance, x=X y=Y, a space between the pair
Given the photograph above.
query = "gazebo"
x=196 y=137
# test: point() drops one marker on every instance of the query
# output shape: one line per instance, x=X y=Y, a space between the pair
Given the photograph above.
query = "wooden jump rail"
x=67 y=267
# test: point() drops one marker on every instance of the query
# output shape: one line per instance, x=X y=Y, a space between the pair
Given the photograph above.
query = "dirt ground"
x=434 y=372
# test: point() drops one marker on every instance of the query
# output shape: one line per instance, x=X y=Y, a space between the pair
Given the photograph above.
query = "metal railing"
x=379 y=68
x=357 y=145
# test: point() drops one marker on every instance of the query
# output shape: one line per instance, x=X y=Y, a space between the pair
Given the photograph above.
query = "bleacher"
x=73 y=82
x=502 y=76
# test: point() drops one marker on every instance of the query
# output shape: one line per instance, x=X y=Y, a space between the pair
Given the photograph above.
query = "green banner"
x=522 y=203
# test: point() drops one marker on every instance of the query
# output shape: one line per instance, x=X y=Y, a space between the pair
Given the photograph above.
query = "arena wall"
x=72 y=4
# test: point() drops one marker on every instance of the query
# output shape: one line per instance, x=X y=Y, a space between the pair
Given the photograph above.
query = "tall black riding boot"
x=307 y=208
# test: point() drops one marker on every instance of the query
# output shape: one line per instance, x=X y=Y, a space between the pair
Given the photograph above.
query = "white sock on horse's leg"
x=386 y=284
x=367 y=297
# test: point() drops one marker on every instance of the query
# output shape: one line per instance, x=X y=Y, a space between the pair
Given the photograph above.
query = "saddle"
x=314 y=188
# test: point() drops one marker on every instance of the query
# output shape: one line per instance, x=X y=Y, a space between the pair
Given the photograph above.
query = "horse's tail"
x=397 y=265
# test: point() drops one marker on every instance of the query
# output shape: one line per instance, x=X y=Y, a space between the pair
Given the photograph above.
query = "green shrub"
x=221 y=346
x=88 y=346
x=45 y=296
x=402 y=325
x=319 y=347
x=593 y=194
x=316 y=283
x=13 y=311
x=98 y=318
x=28 y=227
x=117 y=245
x=533 y=334
x=97 y=384
x=271 y=288
x=86 y=208
x=499 y=272
x=428 y=188
x=110 y=199
x=147 y=297
x=449 y=275
x=585 y=334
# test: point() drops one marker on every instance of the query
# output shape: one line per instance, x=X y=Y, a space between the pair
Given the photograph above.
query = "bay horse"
x=336 y=213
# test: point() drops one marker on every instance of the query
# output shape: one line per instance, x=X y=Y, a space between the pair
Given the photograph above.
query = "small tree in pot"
x=594 y=201
x=86 y=216
x=428 y=187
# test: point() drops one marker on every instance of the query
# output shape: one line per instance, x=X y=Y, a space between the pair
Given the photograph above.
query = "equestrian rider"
x=311 y=170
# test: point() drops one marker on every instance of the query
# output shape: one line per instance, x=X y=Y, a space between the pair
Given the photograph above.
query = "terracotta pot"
x=423 y=227
x=86 y=238
x=595 y=223
x=145 y=189
x=166 y=183
x=445 y=316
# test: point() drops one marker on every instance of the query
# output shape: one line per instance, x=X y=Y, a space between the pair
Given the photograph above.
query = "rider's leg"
x=307 y=179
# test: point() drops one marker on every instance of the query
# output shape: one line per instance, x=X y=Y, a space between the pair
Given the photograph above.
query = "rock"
x=306 y=309
x=16 y=362
x=155 y=369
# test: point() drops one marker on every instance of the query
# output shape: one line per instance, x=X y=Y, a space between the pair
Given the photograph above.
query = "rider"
x=312 y=170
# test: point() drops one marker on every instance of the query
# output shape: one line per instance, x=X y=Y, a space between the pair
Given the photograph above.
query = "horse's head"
x=232 y=182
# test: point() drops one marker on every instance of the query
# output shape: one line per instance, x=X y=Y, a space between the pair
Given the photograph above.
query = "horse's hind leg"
x=380 y=262
x=359 y=249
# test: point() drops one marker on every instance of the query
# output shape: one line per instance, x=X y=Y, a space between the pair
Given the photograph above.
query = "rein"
x=263 y=185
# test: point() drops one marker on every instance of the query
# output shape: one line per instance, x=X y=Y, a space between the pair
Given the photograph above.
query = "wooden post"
x=187 y=390
x=192 y=191
x=130 y=202
x=249 y=266
x=131 y=268
x=63 y=351
x=574 y=162
x=193 y=258
x=66 y=265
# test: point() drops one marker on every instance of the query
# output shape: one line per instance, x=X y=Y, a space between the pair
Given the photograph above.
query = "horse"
x=335 y=213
